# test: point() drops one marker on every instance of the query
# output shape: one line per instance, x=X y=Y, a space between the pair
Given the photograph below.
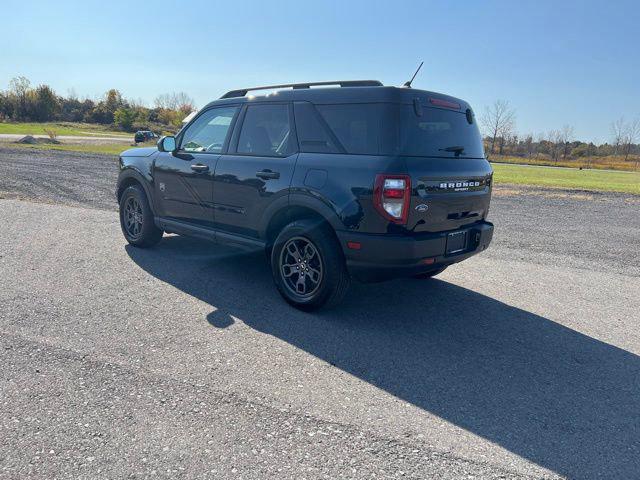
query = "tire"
x=429 y=274
x=136 y=218
x=308 y=247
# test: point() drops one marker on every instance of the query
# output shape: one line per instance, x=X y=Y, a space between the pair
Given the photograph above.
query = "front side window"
x=266 y=131
x=209 y=131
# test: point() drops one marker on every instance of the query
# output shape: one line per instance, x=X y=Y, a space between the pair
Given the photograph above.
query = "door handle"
x=267 y=174
x=198 y=167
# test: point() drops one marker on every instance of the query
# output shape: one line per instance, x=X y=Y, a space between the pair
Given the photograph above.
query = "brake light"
x=444 y=103
x=391 y=197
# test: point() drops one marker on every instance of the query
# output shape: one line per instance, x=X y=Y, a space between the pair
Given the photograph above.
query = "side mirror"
x=167 y=144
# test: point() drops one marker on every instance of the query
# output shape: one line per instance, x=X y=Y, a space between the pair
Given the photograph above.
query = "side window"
x=358 y=127
x=266 y=131
x=312 y=134
x=209 y=131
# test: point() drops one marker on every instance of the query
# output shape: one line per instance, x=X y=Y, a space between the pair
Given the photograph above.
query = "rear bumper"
x=382 y=257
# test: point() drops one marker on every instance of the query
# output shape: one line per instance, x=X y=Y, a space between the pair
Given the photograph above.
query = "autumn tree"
x=630 y=136
x=499 y=122
x=565 y=137
x=555 y=137
x=179 y=101
x=19 y=88
x=617 y=132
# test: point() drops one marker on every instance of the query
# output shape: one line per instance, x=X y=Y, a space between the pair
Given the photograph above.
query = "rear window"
x=439 y=133
x=392 y=129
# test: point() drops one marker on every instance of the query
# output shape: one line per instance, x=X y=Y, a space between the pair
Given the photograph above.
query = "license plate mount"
x=456 y=242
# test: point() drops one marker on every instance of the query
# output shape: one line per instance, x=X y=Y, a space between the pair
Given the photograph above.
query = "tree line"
x=498 y=123
x=21 y=102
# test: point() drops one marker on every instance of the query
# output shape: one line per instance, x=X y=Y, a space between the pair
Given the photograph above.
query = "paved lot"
x=183 y=361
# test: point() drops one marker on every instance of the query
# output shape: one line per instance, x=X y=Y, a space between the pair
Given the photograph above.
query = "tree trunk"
x=493 y=140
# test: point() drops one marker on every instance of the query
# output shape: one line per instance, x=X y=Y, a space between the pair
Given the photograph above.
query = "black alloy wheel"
x=301 y=267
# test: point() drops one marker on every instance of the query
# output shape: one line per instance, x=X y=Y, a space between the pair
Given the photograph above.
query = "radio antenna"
x=408 y=84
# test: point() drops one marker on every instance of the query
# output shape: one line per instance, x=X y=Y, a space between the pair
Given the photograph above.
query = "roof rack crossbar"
x=343 y=83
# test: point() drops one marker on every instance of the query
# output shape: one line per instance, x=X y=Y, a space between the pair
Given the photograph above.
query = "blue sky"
x=557 y=62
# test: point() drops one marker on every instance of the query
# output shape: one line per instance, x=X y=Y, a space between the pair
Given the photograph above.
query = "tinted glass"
x=266 y=131
x=357 y=126
x=209 y=131
x=312 y=133
x=394 y=129
x=438 y=133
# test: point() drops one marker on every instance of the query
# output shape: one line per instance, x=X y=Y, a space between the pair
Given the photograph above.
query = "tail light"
x=391 y=197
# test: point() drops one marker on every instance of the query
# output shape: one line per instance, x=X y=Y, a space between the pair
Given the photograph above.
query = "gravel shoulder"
x=50 y=176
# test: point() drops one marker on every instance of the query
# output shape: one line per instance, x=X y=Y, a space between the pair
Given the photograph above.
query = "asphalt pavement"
x=183 y=361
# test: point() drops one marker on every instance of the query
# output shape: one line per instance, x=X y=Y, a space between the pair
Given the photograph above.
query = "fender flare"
x=133 y=173
x=317 y=204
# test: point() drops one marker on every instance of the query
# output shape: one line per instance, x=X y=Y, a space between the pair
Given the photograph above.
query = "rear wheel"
x=308 y=266
x=430 y=274
x=136 y=218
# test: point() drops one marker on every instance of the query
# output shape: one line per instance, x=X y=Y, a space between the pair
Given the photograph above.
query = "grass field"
x=604 y=163
x=594 y=180
x=61 y=128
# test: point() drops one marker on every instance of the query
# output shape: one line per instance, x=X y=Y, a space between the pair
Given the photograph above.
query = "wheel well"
x=126 y=183
x=287 y=215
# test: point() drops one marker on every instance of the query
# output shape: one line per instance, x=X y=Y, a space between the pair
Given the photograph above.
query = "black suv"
x=357 y=181
x=142 y=136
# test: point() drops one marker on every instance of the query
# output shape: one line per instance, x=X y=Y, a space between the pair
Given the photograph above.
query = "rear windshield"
x=439 y=133
x=392 y=129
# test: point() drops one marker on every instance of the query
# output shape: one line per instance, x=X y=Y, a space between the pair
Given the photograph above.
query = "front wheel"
x=136 y=218
x=308 y=266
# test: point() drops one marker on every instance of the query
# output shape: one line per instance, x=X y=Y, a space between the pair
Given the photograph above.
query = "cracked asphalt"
x=183 y=362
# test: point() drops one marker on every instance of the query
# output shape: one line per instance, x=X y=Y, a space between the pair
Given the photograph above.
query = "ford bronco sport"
x=356 y=181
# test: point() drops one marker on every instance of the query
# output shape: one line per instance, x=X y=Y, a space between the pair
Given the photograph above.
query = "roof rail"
x=343 y=83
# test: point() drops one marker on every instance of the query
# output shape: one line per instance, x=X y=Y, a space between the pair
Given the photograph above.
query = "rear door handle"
x=199 y=167
x=267 y=174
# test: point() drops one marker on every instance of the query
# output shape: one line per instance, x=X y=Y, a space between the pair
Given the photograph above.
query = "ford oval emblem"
x=422 y=207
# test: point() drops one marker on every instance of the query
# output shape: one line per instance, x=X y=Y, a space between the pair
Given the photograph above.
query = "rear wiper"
x=455 y=149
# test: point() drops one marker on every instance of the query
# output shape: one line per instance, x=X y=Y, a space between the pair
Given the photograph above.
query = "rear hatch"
x=444 y=156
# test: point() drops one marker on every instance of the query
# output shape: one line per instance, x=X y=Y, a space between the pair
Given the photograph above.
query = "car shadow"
x=559 y=398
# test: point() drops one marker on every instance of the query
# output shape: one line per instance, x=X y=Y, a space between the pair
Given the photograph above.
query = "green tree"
x=44 y=104
x=19 y=88
x=5 y=106
x=142 y=114
x=104 y=111
x=123 y=118
x=113 y=100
